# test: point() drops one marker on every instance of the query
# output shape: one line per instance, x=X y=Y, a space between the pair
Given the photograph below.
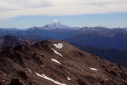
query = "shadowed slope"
x=54 y=62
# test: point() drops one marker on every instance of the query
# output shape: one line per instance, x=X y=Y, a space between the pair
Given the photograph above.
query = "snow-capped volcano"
x=56 y=24
x=55 y=21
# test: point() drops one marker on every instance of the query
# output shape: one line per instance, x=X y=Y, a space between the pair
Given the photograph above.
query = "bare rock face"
x=52 y=62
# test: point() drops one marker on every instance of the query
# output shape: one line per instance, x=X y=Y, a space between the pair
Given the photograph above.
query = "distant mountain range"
x=101 y=37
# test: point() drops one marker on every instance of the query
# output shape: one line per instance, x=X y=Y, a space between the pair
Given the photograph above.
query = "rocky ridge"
x=12 y=41
x=53 y=62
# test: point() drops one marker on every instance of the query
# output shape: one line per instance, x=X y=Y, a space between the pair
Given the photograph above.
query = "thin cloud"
x=15 y=8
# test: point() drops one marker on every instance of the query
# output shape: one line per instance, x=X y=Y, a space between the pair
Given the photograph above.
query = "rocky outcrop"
x=10 y=41
x=52 y=62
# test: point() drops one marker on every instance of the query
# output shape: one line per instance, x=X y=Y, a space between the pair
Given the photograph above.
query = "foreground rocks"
x=52 y=62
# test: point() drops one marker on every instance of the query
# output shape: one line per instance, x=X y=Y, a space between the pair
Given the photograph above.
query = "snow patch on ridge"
x=47 y=78
x=59 y=45
x=93 y=69
x=57 y=52
x=56 y=61
x=68 y=78
x=29 y=70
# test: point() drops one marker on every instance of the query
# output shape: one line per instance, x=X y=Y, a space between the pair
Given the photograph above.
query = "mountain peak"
x=56 y=24
x=55 y=20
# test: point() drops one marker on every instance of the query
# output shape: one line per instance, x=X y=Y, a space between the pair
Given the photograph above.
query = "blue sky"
x=28 y=13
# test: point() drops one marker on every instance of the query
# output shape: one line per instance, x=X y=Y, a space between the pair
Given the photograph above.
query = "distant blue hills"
x=100 y=37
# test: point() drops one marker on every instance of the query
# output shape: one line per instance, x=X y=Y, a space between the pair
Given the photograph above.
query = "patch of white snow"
x=93 y=69
x=47 y=78
x=57 y=52
x=68 y=78
x=55 y=20
x=56 y=61
x=29 y=70
x=59 y=45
